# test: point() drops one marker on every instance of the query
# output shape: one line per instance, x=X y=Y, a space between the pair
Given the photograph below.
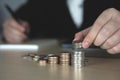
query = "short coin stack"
x=53 y=59
x=65 y=58
x=42 y=61
x=78 y=56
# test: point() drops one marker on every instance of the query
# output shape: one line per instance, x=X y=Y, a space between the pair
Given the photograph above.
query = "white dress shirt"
x=76 y=11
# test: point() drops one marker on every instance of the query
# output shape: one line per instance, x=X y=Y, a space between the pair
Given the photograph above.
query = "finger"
x=115 y=49
x=12 y=23
x=107 y=31
x=80 y=35
x=18 y=34
x=17 y=26
x=14 y=36
x=15 y=39
x=97 y=26
x=11 y=39
x=8 y=37
x=112 y=41
x=26 y=26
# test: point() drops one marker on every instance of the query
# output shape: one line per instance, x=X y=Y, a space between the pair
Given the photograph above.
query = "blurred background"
x=14 y=4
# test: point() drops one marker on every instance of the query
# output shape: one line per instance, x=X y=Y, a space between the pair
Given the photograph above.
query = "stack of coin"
x=32 y=54
x=78 y=56
x=50 y=54
x=53 y=59
x=65 y=58
x=42 y=62
x=29 y=56
x=36 y=58
x=77 y=45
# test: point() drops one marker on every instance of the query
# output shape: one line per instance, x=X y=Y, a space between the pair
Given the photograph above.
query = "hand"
x=14 y=32
x=105 y=32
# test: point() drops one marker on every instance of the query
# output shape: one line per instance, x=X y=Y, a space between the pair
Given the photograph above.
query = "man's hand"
x=105 y=32
x=14 y=32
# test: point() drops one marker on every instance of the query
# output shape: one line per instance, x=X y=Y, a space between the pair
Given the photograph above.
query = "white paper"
x=29 y=47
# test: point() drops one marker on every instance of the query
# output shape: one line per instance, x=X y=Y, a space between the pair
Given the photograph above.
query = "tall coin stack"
x=78 y=56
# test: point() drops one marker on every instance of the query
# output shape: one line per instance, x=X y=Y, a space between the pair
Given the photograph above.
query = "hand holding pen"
x=14 y=29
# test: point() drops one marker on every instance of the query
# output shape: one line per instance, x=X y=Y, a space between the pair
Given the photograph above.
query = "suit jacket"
x=51 y=18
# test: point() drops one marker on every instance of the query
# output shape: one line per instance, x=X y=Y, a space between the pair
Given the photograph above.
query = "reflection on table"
x=14 y=67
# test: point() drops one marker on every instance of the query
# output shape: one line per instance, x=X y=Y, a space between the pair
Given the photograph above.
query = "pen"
x=15 y=17
x=12 y=13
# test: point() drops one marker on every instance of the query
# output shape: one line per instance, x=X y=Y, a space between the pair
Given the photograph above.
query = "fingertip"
x=85 y=44
x=87 y=41
x=25 y=24
x=75 y=39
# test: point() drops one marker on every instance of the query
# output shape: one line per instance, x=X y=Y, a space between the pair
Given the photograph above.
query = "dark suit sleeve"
x=41 y=15
x=30 y=9
x=116 y=4
x=34 y=13
x=22 y=12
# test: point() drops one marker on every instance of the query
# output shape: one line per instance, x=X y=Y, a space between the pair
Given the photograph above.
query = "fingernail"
x=74 y=39
x=85 y=44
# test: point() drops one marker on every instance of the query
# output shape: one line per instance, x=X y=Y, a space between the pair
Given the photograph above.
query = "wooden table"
x=14 y=67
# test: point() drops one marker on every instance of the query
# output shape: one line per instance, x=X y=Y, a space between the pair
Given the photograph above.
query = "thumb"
x=26 y=26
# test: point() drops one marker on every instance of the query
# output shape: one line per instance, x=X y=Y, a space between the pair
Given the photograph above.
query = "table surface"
x=14 y=67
